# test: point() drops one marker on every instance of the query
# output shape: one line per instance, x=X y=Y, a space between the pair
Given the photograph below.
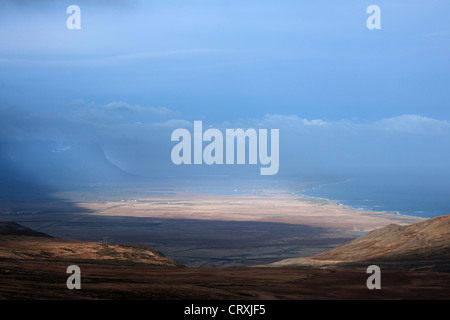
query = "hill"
x=424 y=244
x=19 y=242
x=14 y=229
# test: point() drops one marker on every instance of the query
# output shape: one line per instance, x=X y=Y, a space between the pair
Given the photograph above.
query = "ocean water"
x=425 y=196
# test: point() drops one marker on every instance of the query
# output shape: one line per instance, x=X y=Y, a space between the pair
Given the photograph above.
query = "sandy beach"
x=279 y=206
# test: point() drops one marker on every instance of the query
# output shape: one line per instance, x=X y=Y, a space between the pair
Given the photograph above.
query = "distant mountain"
x=18 y=242
x=51 y=163
x=424 y=244
x=14 y=229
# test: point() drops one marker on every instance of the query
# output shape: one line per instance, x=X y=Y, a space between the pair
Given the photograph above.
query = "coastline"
x=362 y=204
x=339 y=203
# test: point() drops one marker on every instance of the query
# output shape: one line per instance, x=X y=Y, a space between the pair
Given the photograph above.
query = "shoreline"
x=359 y=207
x=339 y=203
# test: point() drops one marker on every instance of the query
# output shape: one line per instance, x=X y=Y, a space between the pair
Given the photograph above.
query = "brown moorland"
x=35 y=268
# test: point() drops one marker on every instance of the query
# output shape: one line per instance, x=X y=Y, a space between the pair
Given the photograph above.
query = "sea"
x=419 y=195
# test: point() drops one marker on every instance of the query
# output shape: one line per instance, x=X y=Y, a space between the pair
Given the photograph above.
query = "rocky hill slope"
x=19 y=242
x=423 y=244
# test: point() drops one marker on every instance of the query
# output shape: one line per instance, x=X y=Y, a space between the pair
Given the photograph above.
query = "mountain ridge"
x=19 y=242
x=424 y=244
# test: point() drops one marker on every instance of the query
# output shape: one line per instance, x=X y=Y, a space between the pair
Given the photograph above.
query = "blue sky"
x=345 y=98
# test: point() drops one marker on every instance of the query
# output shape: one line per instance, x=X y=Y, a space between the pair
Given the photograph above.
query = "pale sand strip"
x=270 y=206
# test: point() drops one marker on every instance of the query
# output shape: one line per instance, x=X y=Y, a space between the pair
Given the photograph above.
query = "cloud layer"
x=137 y=138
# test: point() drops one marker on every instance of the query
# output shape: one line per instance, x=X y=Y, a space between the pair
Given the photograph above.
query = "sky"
x=346 y=99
